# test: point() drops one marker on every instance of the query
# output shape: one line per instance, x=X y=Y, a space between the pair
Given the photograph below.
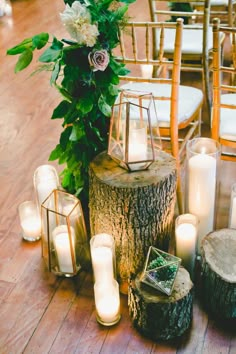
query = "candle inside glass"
x=137 y=150
x=63 y=249
x=232 y=213
x=30 y=221
x=202 y=189
x=107 y=302
x=185 y=238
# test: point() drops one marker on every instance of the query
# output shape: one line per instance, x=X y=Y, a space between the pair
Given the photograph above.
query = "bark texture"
x=219 y=272
x=136 y=208
x=157 y=315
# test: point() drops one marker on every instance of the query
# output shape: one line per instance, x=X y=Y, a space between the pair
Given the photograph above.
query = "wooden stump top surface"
x=182 y=287
x=219 y=251
x=111 y=173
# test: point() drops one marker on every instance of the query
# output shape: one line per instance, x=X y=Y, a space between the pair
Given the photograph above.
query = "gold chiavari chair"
x=197 y=37
x=178 y=107
x=223 y=126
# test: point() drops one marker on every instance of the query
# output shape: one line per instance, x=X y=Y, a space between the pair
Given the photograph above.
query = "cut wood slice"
x=219 y=272
x=157 y=315
x=136 y=208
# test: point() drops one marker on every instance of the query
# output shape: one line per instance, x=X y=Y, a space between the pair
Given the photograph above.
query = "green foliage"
x=87 y=95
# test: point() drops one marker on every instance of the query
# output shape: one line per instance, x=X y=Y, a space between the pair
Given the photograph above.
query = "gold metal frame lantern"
x=63 y=233
x=134 y=138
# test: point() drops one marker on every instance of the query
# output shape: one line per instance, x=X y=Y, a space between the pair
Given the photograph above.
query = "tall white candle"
x=107 y=302
x=44 y=188
x=61 y=242
x=201 y=192
x=102 y=261
x=185 y=237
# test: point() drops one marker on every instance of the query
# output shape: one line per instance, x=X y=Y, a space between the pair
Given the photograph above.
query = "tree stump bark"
x=136 y=208
x=157 y=315
x=219 y=272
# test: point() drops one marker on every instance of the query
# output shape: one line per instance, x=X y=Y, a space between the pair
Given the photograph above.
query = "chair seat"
x=228 y=118
x=189 y=100
x=220 y=2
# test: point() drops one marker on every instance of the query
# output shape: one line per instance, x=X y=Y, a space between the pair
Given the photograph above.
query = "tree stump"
x=219 y=272
x=136 y=208
x=157 y=315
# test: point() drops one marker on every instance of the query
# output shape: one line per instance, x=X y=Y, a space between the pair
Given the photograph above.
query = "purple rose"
x=98 y=60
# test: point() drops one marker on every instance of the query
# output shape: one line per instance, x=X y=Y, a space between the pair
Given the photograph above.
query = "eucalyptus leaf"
x=85 y=104
x=50 y=55
x=104 y=107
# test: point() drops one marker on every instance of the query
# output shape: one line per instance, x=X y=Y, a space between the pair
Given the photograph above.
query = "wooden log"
x=136 y=208
x=157 y=315
x=219 y=272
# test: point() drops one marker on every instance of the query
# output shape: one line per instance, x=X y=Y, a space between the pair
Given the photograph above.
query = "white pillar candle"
x=63 y=250
x=201 y=192
x=107 y=302
x=102 y=260
x=185 y=238
x=44 y=188
x=137 y=149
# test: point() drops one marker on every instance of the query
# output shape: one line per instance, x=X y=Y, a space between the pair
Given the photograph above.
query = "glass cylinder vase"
x=63 y=233
x=30 y=220
x=186 y=226
x=102 y=247
x=107 y=302
x=232 y=211
x=45 y=181
x=203 y=156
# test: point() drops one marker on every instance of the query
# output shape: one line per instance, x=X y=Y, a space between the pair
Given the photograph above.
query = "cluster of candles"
x=106 y=288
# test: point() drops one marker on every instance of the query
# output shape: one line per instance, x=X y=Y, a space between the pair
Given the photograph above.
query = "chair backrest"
x=134 y=37
x=223 y=9
x=224 y=73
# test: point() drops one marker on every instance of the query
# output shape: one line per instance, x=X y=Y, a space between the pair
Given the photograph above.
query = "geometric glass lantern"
x=134 y=138
x=160 y=270
x=63 y=233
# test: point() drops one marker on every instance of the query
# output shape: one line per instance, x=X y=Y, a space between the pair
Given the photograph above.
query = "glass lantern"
x=134 y=138
x=45 y=181
x=160 y=270
x=63 y=233
x=203 y=156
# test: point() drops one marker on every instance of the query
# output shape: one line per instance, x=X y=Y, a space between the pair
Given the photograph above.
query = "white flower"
x=77 y=21
x=98 y=60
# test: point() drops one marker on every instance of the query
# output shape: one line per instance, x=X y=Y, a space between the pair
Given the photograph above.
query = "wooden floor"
x=39 y=312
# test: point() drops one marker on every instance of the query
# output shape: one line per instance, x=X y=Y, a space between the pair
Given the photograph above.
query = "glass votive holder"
x=186 y=226
x=30 y=221
x=232 y=211
x=203 y=156
x=63 y=233
x=107 y=302
x=102 y=247
x=45 y=181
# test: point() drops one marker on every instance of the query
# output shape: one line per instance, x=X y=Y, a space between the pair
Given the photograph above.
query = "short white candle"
x=61 y=242
x=201 y=192
x=107 y=301
x=232 y=222
x=31 y=226
x=102 y=260
x=185 y=237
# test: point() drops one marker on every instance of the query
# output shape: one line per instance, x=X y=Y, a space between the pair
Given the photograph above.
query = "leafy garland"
x=85 y=72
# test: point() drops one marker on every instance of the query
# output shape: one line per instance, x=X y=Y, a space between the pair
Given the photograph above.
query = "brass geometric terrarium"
x=160 y=270
x=134 y=138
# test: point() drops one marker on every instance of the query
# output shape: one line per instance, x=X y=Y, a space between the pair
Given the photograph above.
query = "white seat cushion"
x=192 y=40
x=228 y=118
x=189 y=100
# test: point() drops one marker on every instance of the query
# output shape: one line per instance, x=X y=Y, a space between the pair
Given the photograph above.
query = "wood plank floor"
x=41 y=313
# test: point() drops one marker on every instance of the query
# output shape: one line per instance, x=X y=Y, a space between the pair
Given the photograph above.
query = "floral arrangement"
x=86 y=74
